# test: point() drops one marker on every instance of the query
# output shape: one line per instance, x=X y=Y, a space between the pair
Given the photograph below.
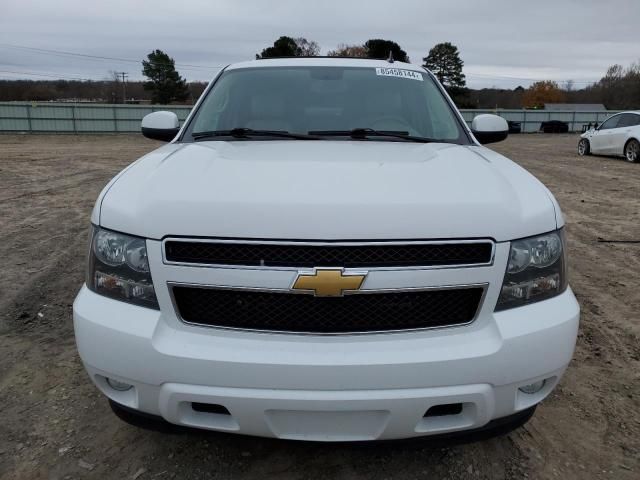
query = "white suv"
x=324 y=251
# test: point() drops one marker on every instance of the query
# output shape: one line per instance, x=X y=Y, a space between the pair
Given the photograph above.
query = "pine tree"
x=165 y=83
x=445 y=63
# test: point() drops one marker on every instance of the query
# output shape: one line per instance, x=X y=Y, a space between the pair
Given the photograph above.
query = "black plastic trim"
x=490 y=137
x=162 y=134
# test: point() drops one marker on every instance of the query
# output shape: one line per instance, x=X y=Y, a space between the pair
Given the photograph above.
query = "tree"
x=445 y=63
x=615 y=73
x=353 y=51
x=165 y=83
x=290 y=47
x=307 y=48
x=545 y=91
x=380 y=49
x=620 y=88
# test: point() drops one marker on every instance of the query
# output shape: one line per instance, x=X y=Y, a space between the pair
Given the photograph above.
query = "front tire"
x=584 y=148
x=632 y=151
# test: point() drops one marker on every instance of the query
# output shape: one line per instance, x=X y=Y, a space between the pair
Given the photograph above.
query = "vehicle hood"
x=326 y=190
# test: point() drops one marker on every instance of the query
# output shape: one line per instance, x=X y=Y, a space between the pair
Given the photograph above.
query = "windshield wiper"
x=363 y=133
x=249 y=132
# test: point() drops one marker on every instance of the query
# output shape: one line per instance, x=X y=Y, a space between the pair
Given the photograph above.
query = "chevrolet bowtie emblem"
x=328 y=282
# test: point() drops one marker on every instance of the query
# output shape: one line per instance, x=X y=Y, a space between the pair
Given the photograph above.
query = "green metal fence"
x=530 y=120
x=78 y=117
x=100 y=118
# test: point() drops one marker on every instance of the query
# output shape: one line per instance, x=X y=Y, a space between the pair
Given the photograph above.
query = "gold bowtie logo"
x=328 y=282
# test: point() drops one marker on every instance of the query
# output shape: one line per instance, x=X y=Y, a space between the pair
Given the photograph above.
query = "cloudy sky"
x=503 y=43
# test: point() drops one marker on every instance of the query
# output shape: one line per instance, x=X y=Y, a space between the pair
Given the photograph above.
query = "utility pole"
x=124 y=75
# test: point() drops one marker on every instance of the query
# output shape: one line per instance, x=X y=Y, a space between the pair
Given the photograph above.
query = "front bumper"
x=340 y=388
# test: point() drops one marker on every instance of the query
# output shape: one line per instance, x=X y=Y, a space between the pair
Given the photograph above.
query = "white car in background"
x=618 y=135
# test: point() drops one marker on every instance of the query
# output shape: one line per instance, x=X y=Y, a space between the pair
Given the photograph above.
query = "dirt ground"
x=55 y=424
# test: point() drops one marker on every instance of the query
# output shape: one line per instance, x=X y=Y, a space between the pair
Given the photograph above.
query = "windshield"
x=327 y=101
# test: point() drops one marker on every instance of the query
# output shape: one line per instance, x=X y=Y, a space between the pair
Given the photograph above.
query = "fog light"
x=120 y=386
x=532 y=387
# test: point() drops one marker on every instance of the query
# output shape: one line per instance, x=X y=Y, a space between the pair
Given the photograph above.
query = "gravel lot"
x=54 y=424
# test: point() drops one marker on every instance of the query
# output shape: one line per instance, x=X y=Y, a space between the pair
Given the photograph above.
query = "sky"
x=503 y=43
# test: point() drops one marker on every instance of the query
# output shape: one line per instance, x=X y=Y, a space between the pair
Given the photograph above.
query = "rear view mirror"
x=489 y=128
x=162 y=126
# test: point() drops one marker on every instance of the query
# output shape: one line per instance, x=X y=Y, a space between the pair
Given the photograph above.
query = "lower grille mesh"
x=286 y=312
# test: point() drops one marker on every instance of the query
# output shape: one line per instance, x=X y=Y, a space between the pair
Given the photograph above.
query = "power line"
x=80 y=77
x=51 y=75
x=184 y=66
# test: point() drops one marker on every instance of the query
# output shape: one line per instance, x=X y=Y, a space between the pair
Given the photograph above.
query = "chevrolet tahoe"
x=326 y=251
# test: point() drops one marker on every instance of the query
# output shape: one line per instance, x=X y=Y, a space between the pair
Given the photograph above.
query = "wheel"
x=583 y=147
x=632 y=151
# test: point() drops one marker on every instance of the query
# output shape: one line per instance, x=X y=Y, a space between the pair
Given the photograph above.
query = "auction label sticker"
x=398 y=72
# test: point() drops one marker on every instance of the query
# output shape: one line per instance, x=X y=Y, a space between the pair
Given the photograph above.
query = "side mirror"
x=489 y=128
x=160 y=126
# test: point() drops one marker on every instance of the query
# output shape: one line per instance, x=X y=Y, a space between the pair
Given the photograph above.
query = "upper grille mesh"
x=347 y=256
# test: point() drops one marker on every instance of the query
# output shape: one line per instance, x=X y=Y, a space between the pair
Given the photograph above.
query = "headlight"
x=119 y=268
x=537 y=270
